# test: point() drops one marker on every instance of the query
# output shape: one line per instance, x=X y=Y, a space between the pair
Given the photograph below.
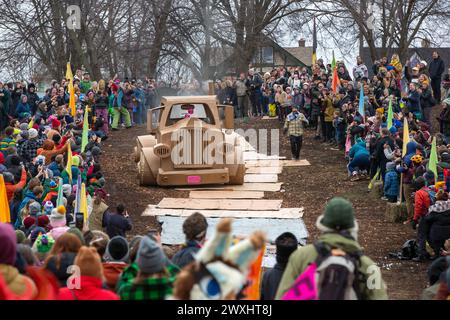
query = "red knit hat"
x=43 y=221
x=28 y=222
x=56 y=123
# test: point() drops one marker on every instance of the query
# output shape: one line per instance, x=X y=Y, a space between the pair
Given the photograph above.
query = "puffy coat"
x=90 y=289
x=391 y=184
x=421 y=203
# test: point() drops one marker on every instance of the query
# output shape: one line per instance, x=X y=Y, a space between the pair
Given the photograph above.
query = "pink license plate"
x=194 y=179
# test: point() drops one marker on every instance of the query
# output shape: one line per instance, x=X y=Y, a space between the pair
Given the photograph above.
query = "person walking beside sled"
x=294 y=126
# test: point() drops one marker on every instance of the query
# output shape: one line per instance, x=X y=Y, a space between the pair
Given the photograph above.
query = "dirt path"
x=308 y=187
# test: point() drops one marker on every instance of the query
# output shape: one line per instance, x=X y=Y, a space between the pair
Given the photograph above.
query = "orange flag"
x=252 y=292
x=336 y=82
x=5 y=216
x=72 y=98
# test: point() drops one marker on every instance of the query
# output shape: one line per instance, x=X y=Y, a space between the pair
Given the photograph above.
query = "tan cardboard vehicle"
x=191 y=142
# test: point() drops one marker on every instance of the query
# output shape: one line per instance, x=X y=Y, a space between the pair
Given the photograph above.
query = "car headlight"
x=162 y=150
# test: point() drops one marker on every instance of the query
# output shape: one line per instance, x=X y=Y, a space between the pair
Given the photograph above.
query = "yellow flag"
x=405 y=135
x=5 y=216
x=69 y=163
x=72 y=98
x=83 y=202
x=69 y=75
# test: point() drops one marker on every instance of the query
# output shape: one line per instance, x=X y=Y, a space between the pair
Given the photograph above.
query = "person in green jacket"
x=339 y=231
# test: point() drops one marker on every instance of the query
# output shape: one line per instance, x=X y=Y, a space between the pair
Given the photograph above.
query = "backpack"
x=337 y=275
x=432 y=195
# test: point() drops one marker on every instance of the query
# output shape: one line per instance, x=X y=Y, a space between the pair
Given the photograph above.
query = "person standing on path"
x=294 y=128
x=436 y=70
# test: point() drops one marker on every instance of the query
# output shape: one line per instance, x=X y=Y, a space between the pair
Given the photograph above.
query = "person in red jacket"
x=9 y=183
x=422 y=202
x=89 y=286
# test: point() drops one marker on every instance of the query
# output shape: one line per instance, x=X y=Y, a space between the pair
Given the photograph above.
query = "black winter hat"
x=286 y=244
x=117 y=249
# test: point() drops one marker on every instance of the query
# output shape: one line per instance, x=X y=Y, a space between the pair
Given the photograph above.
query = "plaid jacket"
x=149 y=289
x=28 y=150
x=295 y=127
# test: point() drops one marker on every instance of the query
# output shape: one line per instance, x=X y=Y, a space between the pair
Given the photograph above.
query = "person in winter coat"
x=155 y=278
x=34 y=195
x=286 y=244
x=444 y=120
x=10 y=186
x=422 y=202
x=413 y=101
x=339 y=231
x=58 y=222
x=194 y=229
x=380 y=155
x=391 y=183
x=436 y=227
x=436 y=69
x=7 y=141
x=90 y=286
x=23 y=109
x=33 y=98
x=49 y=151
x=360 y=160
x=99 y=209
x=117 y=224
x=62 y=256
x=427 y=102
x=28 y=150
x=19 y=284
x=116 y=259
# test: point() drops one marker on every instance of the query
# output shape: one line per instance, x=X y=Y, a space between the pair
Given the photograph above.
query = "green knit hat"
x=339 y=215
x=21 y=237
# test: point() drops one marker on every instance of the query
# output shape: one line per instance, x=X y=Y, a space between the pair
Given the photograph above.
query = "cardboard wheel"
x=145 y=175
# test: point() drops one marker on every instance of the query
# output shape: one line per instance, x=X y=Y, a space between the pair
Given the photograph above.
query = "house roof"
x=304 y=54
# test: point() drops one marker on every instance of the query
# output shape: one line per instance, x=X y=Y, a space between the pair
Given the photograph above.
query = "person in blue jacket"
x=391 y=183
x=359 y=160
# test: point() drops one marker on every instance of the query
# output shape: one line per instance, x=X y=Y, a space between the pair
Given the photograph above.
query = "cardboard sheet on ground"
x=253 y=155
x=264 y=170
x=220 y=204
x=276 y=163
x=268 y=187
x=283 y=213
x=225 y=194
x=172 y=228
x=261 y=178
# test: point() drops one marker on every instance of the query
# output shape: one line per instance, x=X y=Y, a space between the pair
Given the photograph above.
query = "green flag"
x=432 y=163
x=390 y=118
x=59 y=200
x=84 y=137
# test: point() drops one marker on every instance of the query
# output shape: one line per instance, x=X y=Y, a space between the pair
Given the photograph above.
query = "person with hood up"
x=339 y=234
x=49 y=150
x=116 y=259
x=286 y=244
x=359 y=160
x=155 y=277
x=19 y=284
x=90 y=286
x=391 y=183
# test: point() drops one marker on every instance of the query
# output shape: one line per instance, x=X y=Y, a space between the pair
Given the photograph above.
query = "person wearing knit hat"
x=286 y=244
x=116 y=260
x=20 y=235
x=194 y=228
x=88 y=260
x=43 y=221
x=43 y=245
x=58 y=222
x=32 y=133
x=339 y=232
x=97 y=239
x=16 y=282
x=67 y=190
x=154 y=280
